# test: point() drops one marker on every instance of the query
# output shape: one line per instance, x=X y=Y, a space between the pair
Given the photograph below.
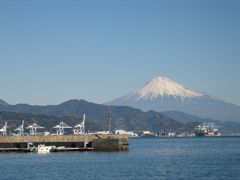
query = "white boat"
x=129 y=133
x=148 y=134
x=103 y=132
x=45 y=149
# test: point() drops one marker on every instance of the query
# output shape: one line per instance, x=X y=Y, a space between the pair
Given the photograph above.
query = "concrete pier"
x=74 y=142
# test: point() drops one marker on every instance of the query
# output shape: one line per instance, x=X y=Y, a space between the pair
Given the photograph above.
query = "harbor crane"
x=61 y=127
x=79 y=129
x=33 y=129
x=20 y=129
x=3 y=130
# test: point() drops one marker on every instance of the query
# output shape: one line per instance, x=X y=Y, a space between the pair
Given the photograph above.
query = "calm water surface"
x=166 y=158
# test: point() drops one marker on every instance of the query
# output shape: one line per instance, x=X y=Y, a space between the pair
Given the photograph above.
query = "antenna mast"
x=109 y=120
x=84 y=131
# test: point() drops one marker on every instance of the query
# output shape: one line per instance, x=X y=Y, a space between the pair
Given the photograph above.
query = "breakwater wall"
x=94 y=142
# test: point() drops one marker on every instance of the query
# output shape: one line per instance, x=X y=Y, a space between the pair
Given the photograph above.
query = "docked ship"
x=129 y=133
x=148 y=134
x=207 y=129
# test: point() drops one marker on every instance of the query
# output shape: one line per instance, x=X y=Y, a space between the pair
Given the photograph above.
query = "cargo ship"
x=207 y=129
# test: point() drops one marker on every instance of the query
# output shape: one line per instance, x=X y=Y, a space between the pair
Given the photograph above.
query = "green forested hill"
x=97 y=116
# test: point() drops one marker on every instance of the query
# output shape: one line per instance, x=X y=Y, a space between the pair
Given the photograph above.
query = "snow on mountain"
x=162 y=94
x=161 y=86
x=2 y=102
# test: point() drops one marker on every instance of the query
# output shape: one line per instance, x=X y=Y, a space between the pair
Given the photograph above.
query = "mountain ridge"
x=178 y=98
x=2 y=102
x=123 y=117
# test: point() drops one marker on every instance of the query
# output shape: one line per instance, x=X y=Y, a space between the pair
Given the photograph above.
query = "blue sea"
x=147 y=158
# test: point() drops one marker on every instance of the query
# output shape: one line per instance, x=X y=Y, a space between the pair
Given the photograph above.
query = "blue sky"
x=55 y=50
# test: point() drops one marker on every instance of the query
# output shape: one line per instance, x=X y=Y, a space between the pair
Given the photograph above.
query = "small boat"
x=148 y=134
x=129 y=133
x=45 y=149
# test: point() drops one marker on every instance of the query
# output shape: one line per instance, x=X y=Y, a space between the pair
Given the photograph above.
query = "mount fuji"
x=162 y=94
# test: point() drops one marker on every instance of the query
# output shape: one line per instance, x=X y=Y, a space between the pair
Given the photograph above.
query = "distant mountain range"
x=162 y=94
x=97 y=115
x=123 y=117
x=159 y=104
x=186 y=118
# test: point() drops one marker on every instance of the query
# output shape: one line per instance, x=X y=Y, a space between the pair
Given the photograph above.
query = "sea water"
x=147 y=158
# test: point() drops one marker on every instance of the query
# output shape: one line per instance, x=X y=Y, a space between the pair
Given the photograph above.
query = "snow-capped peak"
x=161 y=86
